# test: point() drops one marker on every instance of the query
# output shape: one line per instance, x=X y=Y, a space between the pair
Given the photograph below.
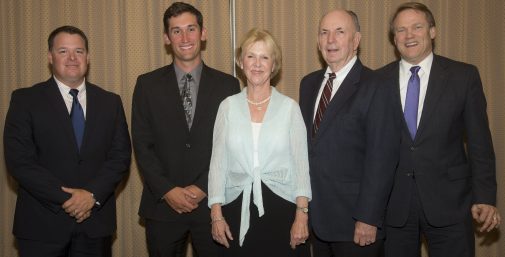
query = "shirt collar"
x=196 y=73
x=424 y=64
x=66 y=89
x=342 y=73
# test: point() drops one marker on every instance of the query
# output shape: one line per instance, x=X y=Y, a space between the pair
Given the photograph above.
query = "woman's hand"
x=221 y=232
x=220 y=229
x=299 y=229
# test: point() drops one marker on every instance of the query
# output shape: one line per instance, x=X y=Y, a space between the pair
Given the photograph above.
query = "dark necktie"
x=77 y=117
x=323 y=103
x=412 y=101
x=187 y=103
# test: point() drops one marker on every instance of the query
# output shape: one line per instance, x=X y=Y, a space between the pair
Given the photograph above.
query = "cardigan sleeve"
x=219 y=161
x=299 y=153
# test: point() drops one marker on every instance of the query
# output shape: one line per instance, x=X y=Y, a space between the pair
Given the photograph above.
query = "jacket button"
x=412 y=148
x=188 y=146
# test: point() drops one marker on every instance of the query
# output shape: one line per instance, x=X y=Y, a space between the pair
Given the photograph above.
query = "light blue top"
x=282 y=147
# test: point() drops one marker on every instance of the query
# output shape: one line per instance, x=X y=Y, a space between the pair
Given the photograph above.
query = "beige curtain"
x=126 y=40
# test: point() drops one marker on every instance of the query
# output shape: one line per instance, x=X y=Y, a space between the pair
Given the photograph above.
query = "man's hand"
x=200 y=195
x=79 y=205
x=487 y=215
x=80 y=217
x=177 y=198
x=364 y=234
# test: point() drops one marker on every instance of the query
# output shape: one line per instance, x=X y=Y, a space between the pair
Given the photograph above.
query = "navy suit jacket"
x=168 y=153
x=452 y=156
x=41 y=154
x=354 y=154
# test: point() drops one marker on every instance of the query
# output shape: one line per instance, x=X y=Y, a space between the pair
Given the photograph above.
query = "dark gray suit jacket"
x=168 y=153
x=41 y=154
x=354 y=154
x=450 y=175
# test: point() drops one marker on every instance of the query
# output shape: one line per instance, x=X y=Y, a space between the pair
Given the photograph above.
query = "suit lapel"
x=393 y=75
x=169 y=88
x=61 y=114
x=205 y=94
x=436 y=86
x=92 y=112
x=313 y=96
x=346 y=90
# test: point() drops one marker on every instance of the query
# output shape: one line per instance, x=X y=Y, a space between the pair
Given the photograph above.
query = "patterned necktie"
x=187 y=103
x=77 y=117
x=412 y=101
x=323 y=103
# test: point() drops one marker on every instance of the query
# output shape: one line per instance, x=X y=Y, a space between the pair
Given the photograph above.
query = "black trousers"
x=323 y=248
x=79 y=245
x=455 y=240
x=268 y=235
x=170 y=238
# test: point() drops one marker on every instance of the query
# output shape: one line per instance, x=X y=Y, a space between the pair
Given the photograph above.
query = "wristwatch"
x=302 y=209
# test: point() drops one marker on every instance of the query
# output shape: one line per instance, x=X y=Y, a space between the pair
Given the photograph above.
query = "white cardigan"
x=282 y=146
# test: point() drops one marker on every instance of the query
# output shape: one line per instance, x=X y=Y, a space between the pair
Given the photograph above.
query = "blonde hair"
x=260 y=35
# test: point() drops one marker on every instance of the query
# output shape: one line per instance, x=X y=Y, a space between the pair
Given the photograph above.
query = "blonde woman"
x=259 y=185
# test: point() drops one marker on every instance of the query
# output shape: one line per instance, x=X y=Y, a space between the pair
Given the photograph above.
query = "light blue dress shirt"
x=282 y=146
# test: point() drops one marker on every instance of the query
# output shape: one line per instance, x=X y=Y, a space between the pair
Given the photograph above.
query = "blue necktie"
x=412 y=101
x=77 y=117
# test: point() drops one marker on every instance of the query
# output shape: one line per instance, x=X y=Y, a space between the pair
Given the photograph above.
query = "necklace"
x=258 y=104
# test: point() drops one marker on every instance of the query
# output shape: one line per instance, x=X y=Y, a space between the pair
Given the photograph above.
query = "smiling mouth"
x=411 y=44
x=186 y=47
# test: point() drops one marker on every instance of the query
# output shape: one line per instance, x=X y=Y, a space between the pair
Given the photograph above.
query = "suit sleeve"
x=21 y=156
x=118 y=158
x=479 y=143
x=382 y=153
x=144 y=145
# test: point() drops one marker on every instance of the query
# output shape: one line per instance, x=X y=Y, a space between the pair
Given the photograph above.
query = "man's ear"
x=204 y=34
x=166 y=39
x=50 y=57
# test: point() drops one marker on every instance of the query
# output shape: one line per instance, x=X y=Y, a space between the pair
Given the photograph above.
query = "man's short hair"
x=69 y=30
x=179 y=8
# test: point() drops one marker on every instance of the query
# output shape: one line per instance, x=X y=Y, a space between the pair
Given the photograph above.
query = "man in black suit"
x=353 y=144
x=446 y=172
x=174 y=109
x=67 y=145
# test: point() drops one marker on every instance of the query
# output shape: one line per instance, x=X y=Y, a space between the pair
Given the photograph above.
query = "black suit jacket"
x=41 y=154
x=168 y=153
x=353 y=155
x=449 y=177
